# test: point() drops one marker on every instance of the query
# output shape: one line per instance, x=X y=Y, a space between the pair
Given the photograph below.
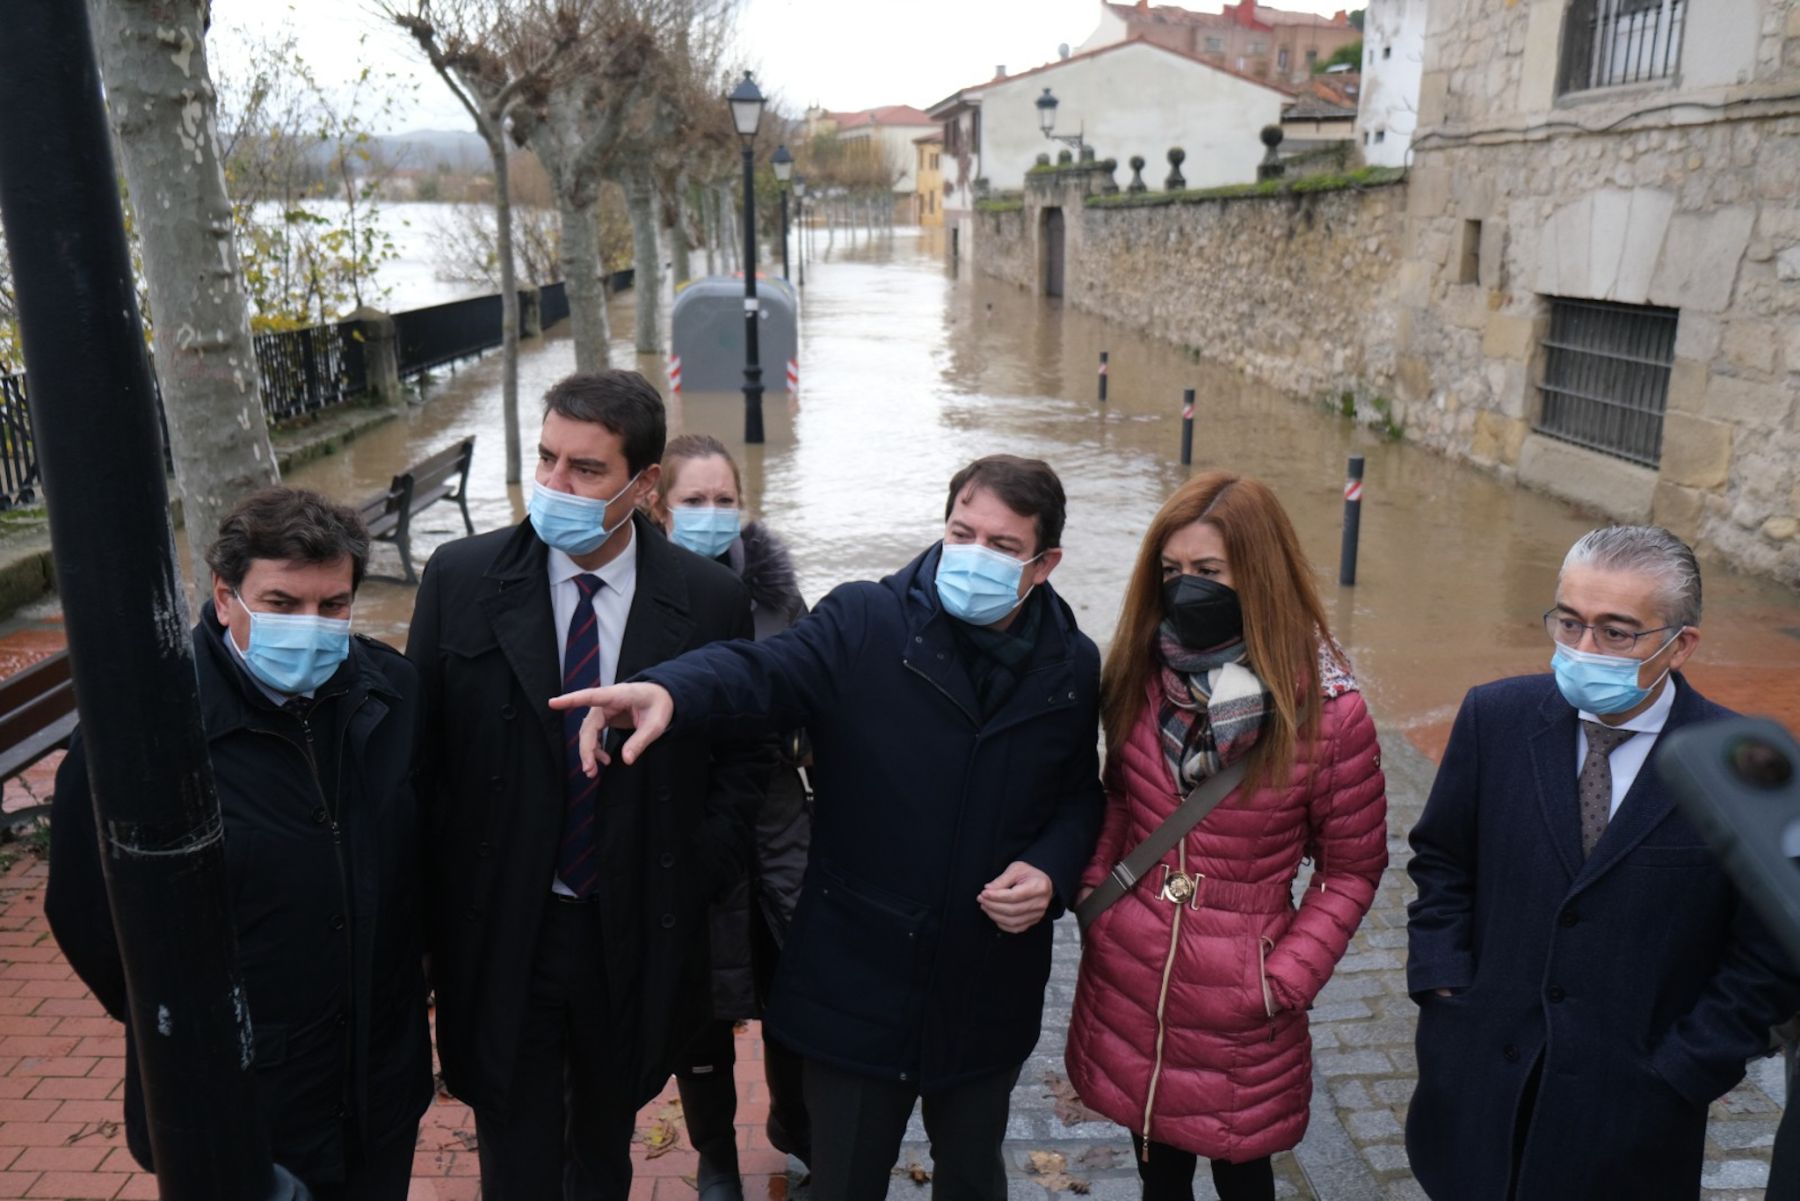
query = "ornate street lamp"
x=746 y=115
x=1046 y=107
x=783 y=162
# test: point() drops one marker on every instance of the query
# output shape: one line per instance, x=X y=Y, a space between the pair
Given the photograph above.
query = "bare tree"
x=164 y=110
x=575 y=133
x=498 y=57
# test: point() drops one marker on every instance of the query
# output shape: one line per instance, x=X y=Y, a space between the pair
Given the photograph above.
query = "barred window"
x=1611 y=42
x=1606 y=377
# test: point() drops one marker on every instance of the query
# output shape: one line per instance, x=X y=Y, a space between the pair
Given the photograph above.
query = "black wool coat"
x=1635 y=982
x=674 y=828
x=750 y=922
x=323 y=866
x=890 y=968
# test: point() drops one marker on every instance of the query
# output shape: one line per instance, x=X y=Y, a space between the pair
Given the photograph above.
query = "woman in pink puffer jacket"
x=1190 y=1017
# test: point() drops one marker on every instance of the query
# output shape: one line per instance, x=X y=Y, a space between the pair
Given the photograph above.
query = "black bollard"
x=1187 y=428
x=1103 y=377
x=1353 y=488
x=94 y=418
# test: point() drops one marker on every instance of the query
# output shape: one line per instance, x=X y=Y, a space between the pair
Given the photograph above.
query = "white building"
x=959 y=115
x=889 y=132
x=1130 y=98
x=1393 y=63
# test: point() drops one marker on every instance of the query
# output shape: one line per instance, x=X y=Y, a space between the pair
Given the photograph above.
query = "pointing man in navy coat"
x=953 y=710
x=1588 y=978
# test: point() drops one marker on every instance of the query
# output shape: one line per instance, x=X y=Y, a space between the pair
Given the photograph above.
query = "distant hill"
x=425 y=149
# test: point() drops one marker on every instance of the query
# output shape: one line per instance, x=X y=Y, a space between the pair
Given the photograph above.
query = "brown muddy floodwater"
x=908 y=372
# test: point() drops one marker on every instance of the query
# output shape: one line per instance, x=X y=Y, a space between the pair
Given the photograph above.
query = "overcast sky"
x=843 y=54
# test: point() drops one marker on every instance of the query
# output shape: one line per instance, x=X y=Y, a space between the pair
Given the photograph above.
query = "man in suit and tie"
x=1588 y=979
x=568 y=915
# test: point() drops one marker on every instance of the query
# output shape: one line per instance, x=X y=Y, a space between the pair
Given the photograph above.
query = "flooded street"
x=908 y=372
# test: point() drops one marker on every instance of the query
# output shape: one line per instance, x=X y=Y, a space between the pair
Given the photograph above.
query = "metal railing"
x=553 y=304
x=305 y=370
x=1606 y=377
x=301 y=371
x=18 y=453
x=444 y=333
x=1607 y=43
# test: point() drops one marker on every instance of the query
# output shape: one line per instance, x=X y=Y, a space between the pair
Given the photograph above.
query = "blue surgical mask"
x=1602 y=684
x=706 y=532
x=294 y=652
x=574 y=524
x=978 y=585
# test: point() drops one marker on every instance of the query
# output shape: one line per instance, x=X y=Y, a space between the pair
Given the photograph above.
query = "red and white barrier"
x=675 y=373
x=793 y=375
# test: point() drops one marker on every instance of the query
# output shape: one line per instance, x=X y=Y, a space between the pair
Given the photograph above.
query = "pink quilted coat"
x=1190 y=1020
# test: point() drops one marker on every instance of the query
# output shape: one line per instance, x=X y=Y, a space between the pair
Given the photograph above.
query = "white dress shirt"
x=1629 y=757
x=612 y=606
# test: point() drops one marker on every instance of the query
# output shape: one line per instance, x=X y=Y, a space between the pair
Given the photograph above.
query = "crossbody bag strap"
x=1204 y=798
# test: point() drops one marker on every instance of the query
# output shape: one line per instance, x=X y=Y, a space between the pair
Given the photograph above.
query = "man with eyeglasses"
x=1588 y=980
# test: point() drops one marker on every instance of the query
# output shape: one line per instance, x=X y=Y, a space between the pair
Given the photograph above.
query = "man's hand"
x=645 y=708
x=1017 y=899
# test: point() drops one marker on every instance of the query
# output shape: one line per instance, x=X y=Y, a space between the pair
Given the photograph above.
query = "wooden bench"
x=444 y=476
x=37 y=715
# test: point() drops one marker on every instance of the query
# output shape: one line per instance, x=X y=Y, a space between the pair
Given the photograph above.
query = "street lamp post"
x=746 y=114
x=783 y=162
x=1046 y=107
x=800 y=221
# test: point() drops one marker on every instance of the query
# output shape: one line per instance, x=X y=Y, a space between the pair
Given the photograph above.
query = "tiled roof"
x=887 y=114
x=1313 y=107
x=1134 y=40
x=1169 y=14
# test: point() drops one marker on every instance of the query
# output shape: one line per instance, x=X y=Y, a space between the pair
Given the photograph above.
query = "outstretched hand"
x=645 y=709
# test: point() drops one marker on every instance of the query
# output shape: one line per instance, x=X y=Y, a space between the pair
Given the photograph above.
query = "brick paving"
x=62 y=1065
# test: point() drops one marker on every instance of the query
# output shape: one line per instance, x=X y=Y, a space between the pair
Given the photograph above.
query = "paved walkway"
x=62 y=1065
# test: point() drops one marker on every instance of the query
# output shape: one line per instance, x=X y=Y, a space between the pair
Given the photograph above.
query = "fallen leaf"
x=1052 y=1171
x=659 y=1138
x=1068 y=1105
x=915 y=1173
x=1098 y=1159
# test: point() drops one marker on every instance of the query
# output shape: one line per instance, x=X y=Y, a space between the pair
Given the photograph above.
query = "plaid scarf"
x=1212 y=707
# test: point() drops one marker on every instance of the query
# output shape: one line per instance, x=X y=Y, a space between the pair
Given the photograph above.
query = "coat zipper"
x=343 y=871
x=1162 y=1000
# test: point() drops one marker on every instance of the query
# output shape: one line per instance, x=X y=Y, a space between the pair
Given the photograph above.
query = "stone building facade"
x=1599 y=291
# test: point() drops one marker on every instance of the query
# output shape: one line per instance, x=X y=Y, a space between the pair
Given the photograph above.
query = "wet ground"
x=909 y=371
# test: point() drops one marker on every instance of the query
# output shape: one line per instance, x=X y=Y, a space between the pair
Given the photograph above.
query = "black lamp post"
x=783 y=162
x=746 y=114
x=1046 y=107
x=800 y=221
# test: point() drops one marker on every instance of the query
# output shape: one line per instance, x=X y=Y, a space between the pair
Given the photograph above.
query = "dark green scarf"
x=995 y=659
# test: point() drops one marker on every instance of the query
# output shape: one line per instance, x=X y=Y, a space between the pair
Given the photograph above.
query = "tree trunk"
x=164 y=109
x=709 y=229
x=646 y=283
x=684 y=262
x=509 y=295
x=582 y=277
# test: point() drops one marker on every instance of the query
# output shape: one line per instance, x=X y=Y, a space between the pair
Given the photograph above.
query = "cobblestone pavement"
x=1363 y=1071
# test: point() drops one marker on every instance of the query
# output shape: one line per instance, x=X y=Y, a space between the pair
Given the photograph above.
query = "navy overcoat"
x=891 y=969
x=1629 y=987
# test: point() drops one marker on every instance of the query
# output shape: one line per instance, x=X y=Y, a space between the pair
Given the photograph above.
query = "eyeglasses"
x=1566 y=631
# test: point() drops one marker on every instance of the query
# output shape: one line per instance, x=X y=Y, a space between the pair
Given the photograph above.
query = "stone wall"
x=1296 y=291
x=1519 y=196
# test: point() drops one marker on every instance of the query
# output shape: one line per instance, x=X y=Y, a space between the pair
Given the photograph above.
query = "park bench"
x=37 y=715
x=444 y=476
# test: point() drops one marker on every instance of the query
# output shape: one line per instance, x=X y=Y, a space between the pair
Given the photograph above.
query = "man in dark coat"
x=953 y=713
x=568 y=914
x=312 y=734
x=1587 y=976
